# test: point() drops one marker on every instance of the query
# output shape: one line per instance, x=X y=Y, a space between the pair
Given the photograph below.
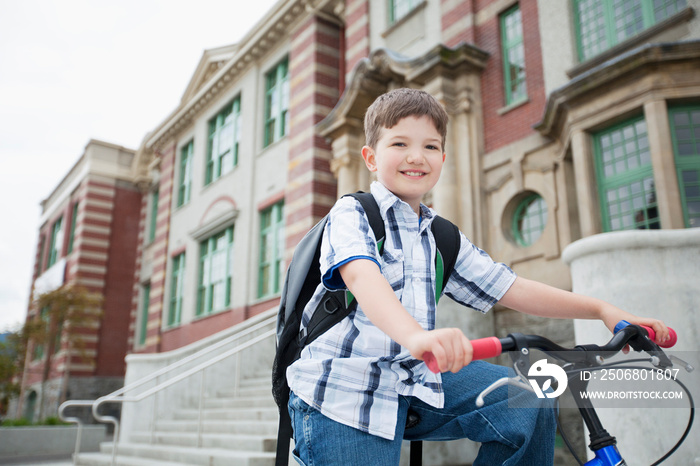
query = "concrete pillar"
x=655 y=274
x=582 y=154
x=668 y=195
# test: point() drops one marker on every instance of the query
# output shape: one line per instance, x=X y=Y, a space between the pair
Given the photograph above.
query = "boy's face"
x=408 y=158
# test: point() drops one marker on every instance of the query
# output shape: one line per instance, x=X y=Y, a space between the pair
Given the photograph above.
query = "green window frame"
x=685 y=132
x=56 y=242
x=153 y=220
x=145 y=305
x=73 y=222
x=529 y=220
x=602 y=24
x=277 y=102
x=400 y=8
x=215 y=271
x=625 y=177
x=271 y=250
x=223 y=141
x=513 y=50
x=184 y=187
x=177 y=290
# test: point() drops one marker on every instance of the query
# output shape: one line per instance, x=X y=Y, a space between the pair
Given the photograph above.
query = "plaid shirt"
x=354 y=373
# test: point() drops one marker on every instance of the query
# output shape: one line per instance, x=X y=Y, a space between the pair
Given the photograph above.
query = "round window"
x=529 y=220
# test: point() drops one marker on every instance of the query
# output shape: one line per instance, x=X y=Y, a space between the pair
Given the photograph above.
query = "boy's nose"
x=415 y=157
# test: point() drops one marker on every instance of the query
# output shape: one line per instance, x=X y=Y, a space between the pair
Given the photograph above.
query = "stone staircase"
x=238 y=430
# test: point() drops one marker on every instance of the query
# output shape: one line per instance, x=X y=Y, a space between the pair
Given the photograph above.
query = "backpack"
x=304 y=276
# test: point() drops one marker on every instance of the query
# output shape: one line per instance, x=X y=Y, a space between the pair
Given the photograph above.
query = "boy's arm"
x=374 y=294
x=538 y=299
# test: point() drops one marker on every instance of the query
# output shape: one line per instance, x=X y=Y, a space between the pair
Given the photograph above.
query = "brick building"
x=89 y=227
x=567 y=119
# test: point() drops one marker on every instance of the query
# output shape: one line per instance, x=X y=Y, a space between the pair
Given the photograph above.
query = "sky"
x=75 y=70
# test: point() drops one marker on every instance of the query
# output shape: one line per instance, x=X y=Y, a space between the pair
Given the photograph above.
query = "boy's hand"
x=451 y=348
x=612 y=315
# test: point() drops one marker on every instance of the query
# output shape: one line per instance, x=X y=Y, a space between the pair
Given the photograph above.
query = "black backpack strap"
x=284 y=437
x=369 y=204
x=448 y=242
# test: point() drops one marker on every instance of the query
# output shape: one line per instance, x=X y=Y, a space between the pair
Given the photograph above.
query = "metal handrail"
x=119 y=396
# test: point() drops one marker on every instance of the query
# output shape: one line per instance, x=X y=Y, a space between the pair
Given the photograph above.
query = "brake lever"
x=519 y=380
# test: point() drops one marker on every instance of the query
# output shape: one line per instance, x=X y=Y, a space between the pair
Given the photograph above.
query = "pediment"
x=385 y=69
x=212 y=61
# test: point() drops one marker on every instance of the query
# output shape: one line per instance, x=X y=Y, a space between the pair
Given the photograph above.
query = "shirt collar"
x=387 y=200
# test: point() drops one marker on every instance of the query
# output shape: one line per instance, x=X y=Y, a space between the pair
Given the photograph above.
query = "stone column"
x=668 y=195
x=347 y=165
x=585 y=183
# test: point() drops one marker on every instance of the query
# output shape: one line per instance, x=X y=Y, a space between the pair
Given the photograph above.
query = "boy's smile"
x=408 y=158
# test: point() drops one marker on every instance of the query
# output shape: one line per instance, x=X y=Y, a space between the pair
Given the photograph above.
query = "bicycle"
x=578 y=360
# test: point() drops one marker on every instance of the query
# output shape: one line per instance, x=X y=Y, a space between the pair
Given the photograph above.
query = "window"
x=224 y=136
x=73 y=220
x=685 y=131
x=216 y=255
x=56 y=242
x=277 y=102
x=513 y=56
x=625 y=177
x=602 y=24
x=154 y=217
x=529 y=220
x=145 y=304
x=271 y=250
x=177 y=290
x=40 y=259
x=400 y=8
x=184 y=187
x=39 y=349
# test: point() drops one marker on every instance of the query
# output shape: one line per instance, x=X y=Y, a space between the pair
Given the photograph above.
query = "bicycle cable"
x=622 y=363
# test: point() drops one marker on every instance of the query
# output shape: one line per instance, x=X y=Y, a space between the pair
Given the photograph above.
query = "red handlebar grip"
x=672 y=336
x=484 y=348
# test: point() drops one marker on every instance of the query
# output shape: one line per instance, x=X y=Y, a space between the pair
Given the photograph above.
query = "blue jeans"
x=508 y=435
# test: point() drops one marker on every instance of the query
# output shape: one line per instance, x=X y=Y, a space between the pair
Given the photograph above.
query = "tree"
x=10 y=369
x=64 y=313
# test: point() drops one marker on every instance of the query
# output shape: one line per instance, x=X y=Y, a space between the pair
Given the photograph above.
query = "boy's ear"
x=370 y=158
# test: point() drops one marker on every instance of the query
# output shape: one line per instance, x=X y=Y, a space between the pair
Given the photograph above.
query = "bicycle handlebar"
x=625 y=333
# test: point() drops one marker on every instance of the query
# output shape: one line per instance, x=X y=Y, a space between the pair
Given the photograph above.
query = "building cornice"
x=561 y=100
x=261 y=39
x=371 y=76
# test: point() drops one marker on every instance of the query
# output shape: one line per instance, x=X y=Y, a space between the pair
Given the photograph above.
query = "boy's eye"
x=399 y=144
x=432 y=147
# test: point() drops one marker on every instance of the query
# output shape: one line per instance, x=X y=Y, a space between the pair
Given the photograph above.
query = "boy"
x=352 y=387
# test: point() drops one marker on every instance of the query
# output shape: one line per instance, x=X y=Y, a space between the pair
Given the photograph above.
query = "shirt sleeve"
x=477 y=281
x=347 y=237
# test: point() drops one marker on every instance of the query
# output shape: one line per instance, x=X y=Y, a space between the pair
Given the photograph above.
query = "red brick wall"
x=118 y=291
x=314 y=63
x=500 y=130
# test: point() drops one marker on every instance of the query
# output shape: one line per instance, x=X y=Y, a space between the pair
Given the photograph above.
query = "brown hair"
x=390 y=108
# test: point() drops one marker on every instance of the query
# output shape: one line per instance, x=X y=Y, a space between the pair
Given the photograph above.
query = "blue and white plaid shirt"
x=354 y=373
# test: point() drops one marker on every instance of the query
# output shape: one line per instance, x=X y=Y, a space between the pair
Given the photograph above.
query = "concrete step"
x=250 y=414
x=192 y=456
x=220 y=426
x=262 y=380
x=246 y=391
x=209 y=440
x=103 y=459
x=261 y=400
